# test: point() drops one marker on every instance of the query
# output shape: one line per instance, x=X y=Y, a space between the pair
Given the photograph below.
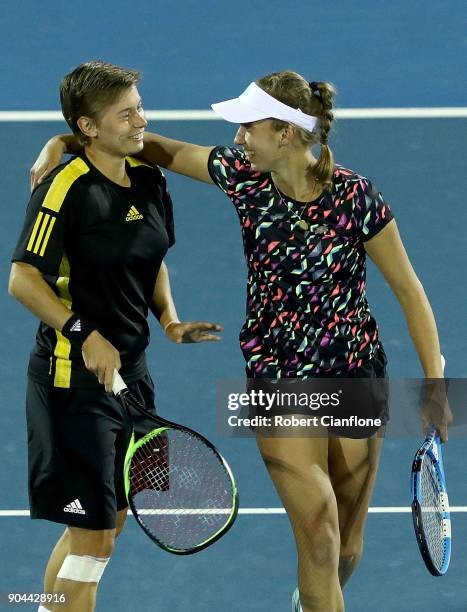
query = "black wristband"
x=77 y=329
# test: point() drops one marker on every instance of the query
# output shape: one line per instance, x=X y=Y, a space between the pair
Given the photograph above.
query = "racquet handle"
x=118 y=384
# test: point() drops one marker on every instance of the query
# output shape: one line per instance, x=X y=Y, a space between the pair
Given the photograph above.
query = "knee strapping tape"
x=83 y=568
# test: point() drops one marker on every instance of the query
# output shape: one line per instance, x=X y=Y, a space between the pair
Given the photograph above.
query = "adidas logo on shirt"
x=75 y=507
x=133 y=214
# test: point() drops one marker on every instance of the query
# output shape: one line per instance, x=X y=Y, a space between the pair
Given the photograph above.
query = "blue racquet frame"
x=432 y=448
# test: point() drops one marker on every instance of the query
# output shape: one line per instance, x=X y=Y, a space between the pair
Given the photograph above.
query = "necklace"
x=304 y=225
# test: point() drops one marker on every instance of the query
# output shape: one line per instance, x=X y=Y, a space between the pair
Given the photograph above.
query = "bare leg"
x=353 y=466
x=298 y=468
x=347 y=565
x=62 y=549
x=81 y=596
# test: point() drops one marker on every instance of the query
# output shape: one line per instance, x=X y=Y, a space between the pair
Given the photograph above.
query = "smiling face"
x=261 y=143
x=119 y=129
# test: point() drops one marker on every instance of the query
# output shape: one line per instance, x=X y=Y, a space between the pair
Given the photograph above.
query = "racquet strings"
x=181 y=491
x=150 y=469
x=432 y=512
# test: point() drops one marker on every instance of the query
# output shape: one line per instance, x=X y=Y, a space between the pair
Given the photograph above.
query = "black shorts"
x=364 y=414
x=77 y=441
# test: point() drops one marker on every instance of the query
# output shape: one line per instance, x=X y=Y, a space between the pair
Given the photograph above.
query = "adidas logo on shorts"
x=74 y=507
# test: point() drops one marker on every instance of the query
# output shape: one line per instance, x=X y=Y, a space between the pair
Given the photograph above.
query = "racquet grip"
x=118 y=384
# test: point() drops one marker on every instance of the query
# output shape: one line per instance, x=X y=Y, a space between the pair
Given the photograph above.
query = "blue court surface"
x=380 y=55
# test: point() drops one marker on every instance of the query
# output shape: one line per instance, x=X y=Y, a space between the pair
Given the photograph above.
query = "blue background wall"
x=378 y=54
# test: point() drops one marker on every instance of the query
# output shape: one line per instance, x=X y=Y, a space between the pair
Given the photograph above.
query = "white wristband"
x=169 y=324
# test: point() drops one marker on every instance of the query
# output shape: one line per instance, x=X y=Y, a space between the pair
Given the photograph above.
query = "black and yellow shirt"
x=100 y=247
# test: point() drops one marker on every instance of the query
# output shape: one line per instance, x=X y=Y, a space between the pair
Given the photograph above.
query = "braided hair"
x=314 y=98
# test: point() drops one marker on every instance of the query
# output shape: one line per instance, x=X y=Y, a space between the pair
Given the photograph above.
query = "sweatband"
x=76 y=330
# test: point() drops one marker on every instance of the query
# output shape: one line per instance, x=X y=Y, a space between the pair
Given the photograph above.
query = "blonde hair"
x=315 y=98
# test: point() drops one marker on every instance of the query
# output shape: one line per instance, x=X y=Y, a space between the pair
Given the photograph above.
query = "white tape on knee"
x=83 y=568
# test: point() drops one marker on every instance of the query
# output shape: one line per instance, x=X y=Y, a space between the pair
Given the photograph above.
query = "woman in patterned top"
x=307 y=226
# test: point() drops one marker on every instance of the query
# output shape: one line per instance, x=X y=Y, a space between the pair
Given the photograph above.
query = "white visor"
x=255 y=104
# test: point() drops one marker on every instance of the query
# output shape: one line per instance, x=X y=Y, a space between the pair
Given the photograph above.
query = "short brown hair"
x=312 y=98
x=89 y=88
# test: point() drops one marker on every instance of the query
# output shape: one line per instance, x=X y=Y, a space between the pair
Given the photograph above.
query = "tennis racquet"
x=180 y=489
x=430 y=505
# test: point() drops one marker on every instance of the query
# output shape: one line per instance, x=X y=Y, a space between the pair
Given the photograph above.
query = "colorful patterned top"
x=307 y=312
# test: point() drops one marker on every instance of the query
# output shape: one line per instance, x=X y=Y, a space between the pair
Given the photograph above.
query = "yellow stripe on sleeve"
x=34 y=231
x=44 y=223
x=47 y=236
